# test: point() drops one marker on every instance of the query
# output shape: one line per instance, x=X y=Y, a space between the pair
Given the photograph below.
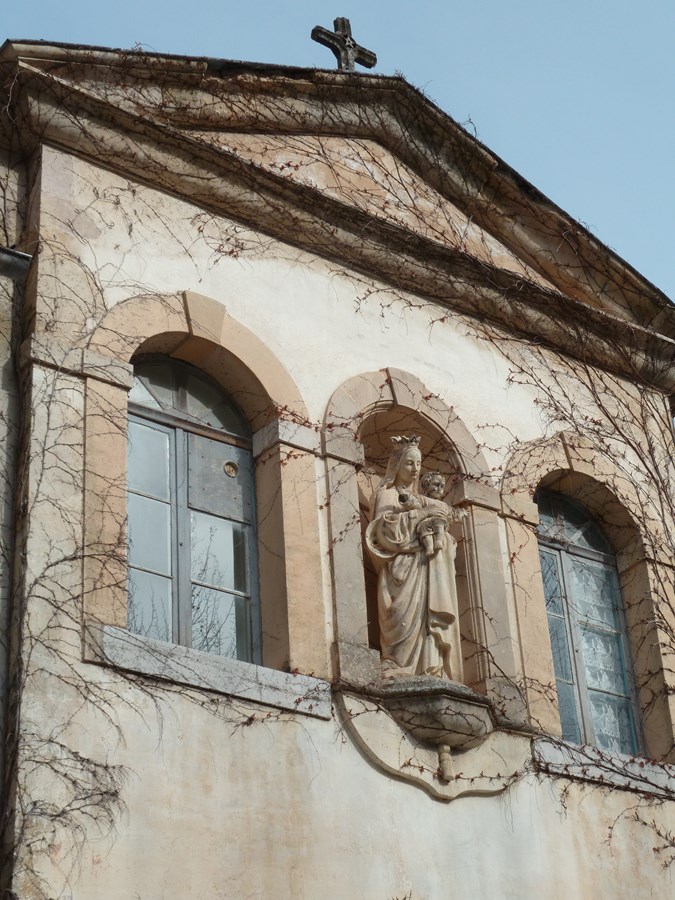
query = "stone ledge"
x=112 y=646
x=615 y=770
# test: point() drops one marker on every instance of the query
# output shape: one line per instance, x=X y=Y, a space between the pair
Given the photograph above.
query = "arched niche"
x=569 y=464
x=198 y=330
x=361 y=416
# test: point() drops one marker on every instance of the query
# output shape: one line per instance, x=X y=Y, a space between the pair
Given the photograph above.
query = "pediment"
x=365 y=175
x=368 y=171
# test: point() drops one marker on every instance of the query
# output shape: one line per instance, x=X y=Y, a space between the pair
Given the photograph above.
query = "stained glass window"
x=586 y=623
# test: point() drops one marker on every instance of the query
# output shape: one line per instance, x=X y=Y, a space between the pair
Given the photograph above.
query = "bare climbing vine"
x=421 y=236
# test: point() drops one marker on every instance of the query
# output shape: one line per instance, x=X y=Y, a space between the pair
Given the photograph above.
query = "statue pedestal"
x=437 y=734
x=448 y=715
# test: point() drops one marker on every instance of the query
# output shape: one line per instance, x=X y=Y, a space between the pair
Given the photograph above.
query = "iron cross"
x=344 y=47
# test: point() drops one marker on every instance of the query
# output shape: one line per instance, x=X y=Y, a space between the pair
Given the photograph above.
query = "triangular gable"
x=506 y=222
x=368 y=172
x=363 y=174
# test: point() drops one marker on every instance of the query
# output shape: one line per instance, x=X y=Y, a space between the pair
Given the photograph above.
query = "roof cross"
x=344 y=47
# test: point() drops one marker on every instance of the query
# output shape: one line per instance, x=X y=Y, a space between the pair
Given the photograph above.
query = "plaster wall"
x=114 y=239
x=8 y=442
x=11 y=296
x=206 y=796
x=218 y=806
x=13 y=196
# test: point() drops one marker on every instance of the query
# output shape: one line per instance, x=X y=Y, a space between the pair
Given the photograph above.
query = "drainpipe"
x=14 y=264
x=14 y=267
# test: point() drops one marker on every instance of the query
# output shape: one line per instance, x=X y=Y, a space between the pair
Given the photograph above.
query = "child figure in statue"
x=434 y=514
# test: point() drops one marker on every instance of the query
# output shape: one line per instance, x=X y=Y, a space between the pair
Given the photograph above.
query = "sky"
x=577 y=96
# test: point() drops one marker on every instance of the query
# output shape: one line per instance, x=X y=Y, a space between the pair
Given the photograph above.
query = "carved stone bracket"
x=438 y=735
x=438 y=712
x=448 y=715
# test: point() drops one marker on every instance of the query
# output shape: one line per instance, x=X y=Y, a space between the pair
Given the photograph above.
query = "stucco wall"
x=286 y=807
x=180 y=792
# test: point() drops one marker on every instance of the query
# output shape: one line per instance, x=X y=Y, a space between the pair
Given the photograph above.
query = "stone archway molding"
x=198 y=329
x=571 y=464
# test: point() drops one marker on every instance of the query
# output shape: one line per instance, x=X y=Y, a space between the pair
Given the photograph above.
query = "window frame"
x=564 y=550
x=179 y=427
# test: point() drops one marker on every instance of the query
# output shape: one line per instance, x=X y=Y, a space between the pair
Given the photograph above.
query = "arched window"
x=587 y=627
x=191 y=514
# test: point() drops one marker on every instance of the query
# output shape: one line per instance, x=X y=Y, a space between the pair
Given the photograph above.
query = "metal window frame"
x=574 y=622
x=181 y=580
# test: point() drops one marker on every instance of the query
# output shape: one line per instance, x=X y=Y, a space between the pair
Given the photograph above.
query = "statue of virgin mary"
x=417 y=593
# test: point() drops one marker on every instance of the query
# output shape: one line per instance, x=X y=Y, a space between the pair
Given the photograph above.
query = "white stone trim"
x=109 y=645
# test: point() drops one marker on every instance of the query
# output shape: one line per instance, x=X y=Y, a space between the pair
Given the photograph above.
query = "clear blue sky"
x=578 y=96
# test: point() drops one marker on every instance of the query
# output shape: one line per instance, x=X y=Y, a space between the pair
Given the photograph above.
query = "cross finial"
x=344 y=47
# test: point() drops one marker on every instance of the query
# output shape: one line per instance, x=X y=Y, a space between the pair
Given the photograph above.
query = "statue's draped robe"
x=417 y=596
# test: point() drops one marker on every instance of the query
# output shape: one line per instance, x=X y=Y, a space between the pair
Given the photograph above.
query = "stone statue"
x=414 y=556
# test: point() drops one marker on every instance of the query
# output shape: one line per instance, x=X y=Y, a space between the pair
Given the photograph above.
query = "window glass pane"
x=593 y=591
x=148 y=460
x=174 y=472
x=230 y=420
x=219 y=553
x=552 y=587
x=560 y=648
x=567 y=521
x=220 y=478
x=149 y=534
x=150 y=605
x=220 y=623
x=160 y=379
x=545 y=512
x=576 y=521
x=568 y=712
x=604 y=661
x=592 y=538
x=612 y=722
x=585 y=595
x=201 y=398
x=141 y=395
x=205 y=401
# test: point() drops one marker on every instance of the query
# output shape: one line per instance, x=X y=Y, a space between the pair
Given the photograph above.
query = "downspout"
x=14 y=267
x=14 y=264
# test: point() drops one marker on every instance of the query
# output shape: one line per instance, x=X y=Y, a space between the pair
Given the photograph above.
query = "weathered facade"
x=344 y=264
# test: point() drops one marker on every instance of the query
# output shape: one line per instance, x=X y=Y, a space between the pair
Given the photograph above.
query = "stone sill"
x=112 y=646
x=616 y=770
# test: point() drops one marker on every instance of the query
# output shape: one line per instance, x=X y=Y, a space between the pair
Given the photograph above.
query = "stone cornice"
x=164 y=156
x=229 y=96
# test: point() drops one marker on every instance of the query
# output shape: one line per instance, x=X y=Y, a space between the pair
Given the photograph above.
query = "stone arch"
x=570 y=464
x=364 y=394
x=198 y=330
x=366 y=397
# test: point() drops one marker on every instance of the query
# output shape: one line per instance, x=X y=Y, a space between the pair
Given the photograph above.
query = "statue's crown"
x=403 y=441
